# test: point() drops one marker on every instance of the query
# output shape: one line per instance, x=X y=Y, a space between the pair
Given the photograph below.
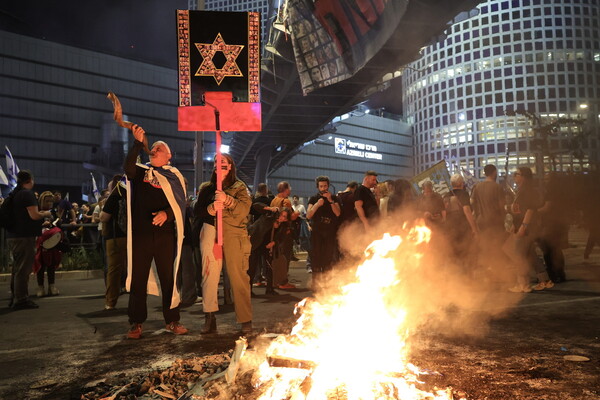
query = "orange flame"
x=355 y=339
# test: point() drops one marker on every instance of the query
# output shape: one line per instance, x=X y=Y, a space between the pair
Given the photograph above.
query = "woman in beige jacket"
x=235 y=201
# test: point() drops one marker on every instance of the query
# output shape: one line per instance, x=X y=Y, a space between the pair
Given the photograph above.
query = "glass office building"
x=515 y=83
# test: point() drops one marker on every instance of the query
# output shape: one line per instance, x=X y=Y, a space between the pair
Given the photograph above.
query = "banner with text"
x=438 y=175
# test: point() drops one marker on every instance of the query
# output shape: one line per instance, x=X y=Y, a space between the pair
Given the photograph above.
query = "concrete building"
x=261 y=6
x=354 y=143
x=476 y=96
x=57 y=121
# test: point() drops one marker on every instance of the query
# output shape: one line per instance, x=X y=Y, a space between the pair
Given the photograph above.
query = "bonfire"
x=365 y=323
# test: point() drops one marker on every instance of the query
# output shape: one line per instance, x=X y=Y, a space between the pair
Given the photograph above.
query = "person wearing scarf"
x=156 y=203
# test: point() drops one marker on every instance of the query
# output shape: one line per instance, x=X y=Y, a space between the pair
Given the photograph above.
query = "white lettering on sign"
x=356 y=149
x=375 y=156
x=355 y=153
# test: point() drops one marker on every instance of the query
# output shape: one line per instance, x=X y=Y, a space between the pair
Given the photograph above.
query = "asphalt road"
x=53 y=351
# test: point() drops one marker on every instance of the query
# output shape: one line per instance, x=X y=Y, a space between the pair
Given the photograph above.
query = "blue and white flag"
x=470 y=180
x=95 y=190
x=3 y=178
x=11 y=168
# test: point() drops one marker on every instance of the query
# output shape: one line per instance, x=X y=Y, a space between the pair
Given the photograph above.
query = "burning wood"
x=319 y=359
x=286 y=362
x=327 y=355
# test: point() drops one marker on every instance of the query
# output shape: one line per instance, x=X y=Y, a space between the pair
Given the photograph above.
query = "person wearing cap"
x=365 y=202
x=156 y=203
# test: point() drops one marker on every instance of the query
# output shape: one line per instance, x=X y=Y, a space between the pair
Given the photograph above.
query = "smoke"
x=441 y=293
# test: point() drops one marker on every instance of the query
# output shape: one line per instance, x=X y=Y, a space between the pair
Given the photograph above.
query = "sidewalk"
x=63 y=275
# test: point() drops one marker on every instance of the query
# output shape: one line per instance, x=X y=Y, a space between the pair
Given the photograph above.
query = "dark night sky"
x=137 y=29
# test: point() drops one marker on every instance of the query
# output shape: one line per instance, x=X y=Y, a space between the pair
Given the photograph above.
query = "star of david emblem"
x=208 y=51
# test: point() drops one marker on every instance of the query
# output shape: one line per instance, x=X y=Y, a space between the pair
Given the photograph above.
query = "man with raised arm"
x=156 y=205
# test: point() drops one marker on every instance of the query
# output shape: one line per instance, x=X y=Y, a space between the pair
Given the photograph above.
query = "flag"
x=11 y=168
x=3 y=178
x=438 y=175
x=95 y=190
x=233 y=37
x=470 y=180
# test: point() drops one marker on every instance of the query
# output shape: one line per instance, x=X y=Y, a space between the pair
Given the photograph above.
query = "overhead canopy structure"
x=290 y=119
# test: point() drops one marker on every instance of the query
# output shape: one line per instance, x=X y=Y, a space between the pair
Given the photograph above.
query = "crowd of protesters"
x=262 y=233
x=53 y=225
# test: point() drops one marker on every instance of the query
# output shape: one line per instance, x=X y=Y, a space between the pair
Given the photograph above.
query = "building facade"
x=355 y=143
x=261 y=6
x=57 y=121
x=518 y=84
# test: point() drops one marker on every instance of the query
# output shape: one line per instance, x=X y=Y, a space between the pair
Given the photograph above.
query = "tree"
x=542 y=134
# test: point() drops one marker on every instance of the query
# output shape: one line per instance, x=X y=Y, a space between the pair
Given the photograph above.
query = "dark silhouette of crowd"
x=480 y=228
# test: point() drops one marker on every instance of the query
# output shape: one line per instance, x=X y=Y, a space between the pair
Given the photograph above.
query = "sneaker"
x=543 y=285
x=287 y=286
x=259 y=284
x=25 y=305
x=107 y=307
x=176 y=328
x=53 y=290
x=539 y=286
x=40 y=291
x=520 y=289
x=135 y=332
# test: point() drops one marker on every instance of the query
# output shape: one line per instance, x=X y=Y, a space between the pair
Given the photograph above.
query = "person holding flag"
x=156 y=206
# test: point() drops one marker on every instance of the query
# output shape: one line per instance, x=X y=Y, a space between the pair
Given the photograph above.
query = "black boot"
x=210 y=324
x=246 y=328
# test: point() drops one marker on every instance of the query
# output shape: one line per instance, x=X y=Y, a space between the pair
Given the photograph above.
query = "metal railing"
x=85 y=243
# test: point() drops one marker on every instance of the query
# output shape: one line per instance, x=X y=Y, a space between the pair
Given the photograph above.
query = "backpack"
x=7 y=213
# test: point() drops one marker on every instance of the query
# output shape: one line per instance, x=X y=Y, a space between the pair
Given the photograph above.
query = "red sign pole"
x=219 y=187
